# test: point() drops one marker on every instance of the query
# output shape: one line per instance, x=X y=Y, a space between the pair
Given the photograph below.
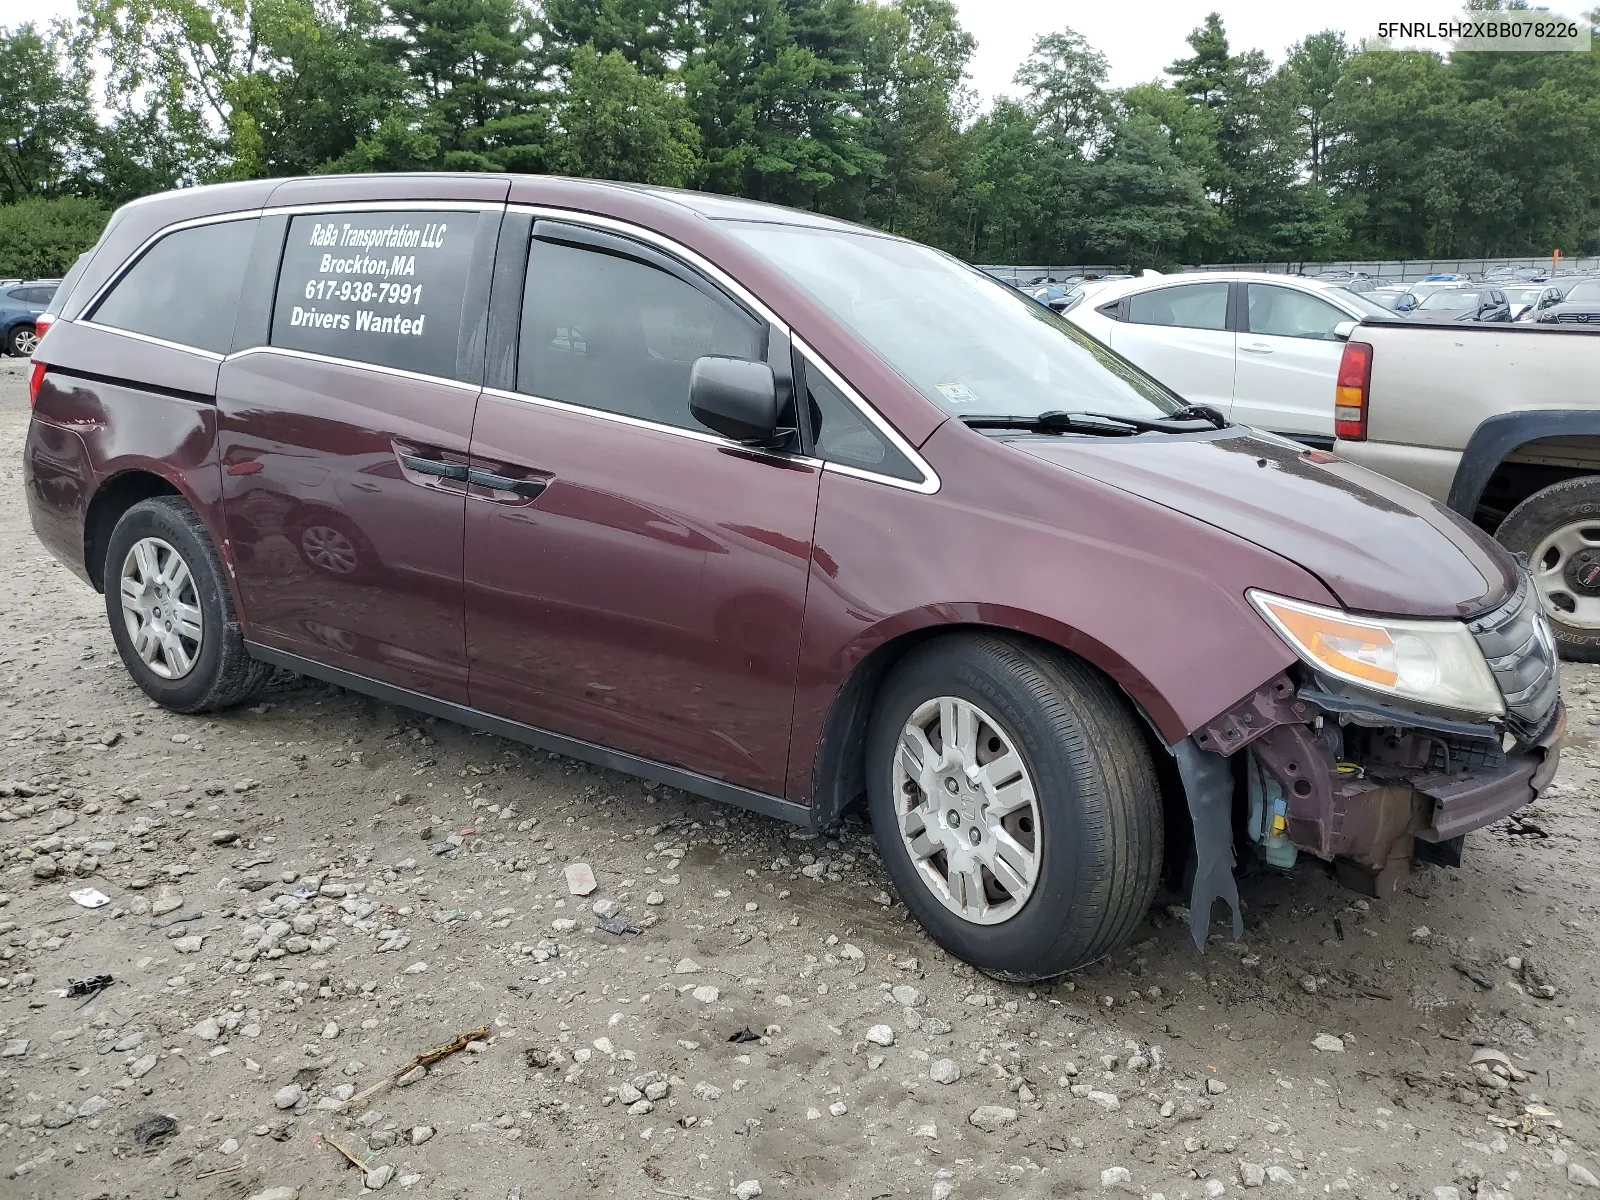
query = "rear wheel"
x=1558 y=528
x=22 y=341
x=171 y=612
x=1015 y=804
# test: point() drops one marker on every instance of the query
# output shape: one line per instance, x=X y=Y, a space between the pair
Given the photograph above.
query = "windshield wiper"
x=1105 y=424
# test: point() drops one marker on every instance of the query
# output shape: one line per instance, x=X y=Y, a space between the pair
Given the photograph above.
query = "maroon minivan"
x=783 y=512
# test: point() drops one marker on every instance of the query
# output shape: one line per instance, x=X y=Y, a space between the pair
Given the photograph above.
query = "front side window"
x=970 y=344
x=185 y=288
x=617 y=334
x=376 y=287
x=840 y=434
x=1284 y=312
x=1188 y=306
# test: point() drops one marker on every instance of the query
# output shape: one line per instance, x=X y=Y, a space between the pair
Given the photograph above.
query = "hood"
x=1377 y=545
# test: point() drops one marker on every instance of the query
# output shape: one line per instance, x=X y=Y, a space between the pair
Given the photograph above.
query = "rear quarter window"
x=184 y=288
x=376 y=287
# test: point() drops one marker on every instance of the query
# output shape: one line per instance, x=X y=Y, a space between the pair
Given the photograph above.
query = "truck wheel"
x=171 y=612
x=1559 y=530
x=1015 y=804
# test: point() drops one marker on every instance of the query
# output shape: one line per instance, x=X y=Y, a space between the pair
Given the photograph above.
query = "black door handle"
x=433 y=466
x=528 y=489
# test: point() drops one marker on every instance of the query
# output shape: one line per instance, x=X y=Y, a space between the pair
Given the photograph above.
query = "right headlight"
x=1437 y=663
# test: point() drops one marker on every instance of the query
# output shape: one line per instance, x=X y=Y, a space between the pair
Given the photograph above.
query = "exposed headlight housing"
x=1437 y=663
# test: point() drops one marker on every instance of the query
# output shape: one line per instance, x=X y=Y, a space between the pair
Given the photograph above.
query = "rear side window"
x=620 y=335
x=33 y=295
x=839 y=433
x=185 y=288
x=1285 y=312
x=64 y=288
x=1189 y=306
x=376 y=287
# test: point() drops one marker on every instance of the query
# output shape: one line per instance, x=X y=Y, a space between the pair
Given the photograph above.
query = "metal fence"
x=1398 y=270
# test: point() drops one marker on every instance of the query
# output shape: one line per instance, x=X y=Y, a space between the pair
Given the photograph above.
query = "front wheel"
x=171 y=612
x=1015 y=804
x=1558 y=528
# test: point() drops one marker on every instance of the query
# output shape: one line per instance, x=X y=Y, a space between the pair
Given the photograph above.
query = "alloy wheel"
x=25 y=342
x=161 y=608
x=967 y=811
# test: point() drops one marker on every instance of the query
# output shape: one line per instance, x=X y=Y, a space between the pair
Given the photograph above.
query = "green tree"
x=775 y=114
x=473 y=65
x=320 y=91
x=41 y=238
x=912 y=100
x=650 y=34
x=1141 y=200
x=1065 y=80
x=612 y=122
x=1204 y=77
x=1314 y=67
x=46 y=114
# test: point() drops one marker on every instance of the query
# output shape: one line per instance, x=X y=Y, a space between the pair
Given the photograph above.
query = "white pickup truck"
x=1502 y=424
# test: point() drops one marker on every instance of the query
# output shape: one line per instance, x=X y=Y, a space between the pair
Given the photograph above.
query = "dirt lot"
x=307 y=894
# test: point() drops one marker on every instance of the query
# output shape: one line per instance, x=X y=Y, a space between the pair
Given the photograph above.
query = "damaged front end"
x=1322 y=764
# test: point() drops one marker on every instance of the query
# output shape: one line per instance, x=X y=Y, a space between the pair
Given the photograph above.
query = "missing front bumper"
x=1361 y=790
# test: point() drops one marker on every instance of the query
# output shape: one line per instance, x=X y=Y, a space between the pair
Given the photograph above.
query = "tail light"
x=1350 y=392
x=34 y=380
x=42 y=323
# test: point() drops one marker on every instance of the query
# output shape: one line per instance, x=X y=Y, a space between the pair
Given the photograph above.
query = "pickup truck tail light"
x=1350 y=392
x=35 y=378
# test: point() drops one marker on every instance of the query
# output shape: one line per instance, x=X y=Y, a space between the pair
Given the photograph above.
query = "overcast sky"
x=1139 y=37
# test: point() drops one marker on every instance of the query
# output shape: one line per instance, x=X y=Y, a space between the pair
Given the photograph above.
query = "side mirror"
x=737 y=399
x=1344 y=329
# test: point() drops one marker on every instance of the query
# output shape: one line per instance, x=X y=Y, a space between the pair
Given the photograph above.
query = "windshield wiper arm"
x=1053 y=422
x=1200 y=412
x=1107 y=424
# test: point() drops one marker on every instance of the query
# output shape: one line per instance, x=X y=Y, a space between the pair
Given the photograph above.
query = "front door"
x=344 y=438
x=632 y=579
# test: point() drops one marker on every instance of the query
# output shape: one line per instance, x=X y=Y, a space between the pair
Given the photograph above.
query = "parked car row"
x=796 y=515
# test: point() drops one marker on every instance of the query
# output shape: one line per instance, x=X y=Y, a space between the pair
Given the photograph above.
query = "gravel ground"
x=307 y=894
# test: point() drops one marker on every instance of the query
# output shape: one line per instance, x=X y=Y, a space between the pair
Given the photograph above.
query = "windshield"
x=1523 y=295
x=971 y=345
x=1368 y=303
x=1452 y=301
x=1588 y=290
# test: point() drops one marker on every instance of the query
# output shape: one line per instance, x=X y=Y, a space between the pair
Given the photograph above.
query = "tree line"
x=857 y=108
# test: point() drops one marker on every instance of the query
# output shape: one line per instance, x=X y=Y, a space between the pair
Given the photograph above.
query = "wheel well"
x=839 y=781
x=1517 y=476
x=115 y=497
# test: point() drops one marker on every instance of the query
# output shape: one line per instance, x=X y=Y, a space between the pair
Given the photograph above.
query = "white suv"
x=1264 y=349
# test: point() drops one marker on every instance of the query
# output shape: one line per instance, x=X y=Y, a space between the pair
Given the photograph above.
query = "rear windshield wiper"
x=1105 y=424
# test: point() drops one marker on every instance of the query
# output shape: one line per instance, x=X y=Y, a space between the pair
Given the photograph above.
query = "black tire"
x=1569 y=502
x=1100 y=840
x=223 y=673
x=18 y=341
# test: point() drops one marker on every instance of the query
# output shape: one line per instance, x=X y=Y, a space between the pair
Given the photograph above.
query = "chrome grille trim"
x=1522 y=660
